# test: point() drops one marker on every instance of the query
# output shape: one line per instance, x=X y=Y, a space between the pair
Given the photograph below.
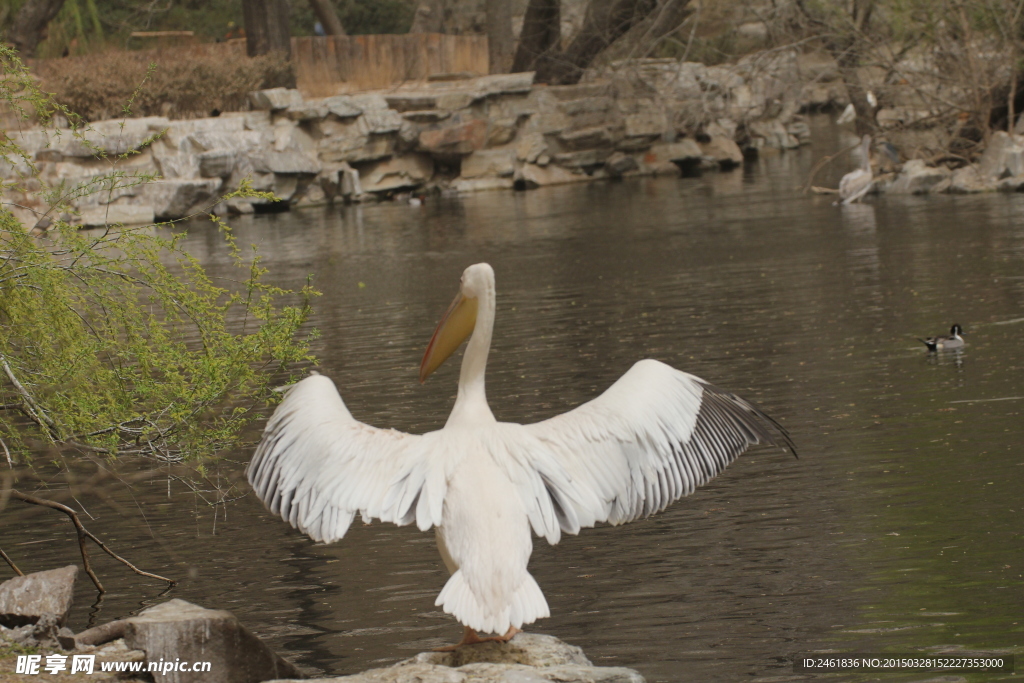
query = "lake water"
x=899 y=529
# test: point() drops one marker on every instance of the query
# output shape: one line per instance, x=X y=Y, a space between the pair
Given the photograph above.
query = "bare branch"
x=84 y=534
x=11 y=562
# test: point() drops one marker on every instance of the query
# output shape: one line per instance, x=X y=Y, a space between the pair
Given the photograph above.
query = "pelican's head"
x=459 y=320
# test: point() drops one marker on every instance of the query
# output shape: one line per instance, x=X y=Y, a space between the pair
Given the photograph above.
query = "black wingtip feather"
x=723 y=401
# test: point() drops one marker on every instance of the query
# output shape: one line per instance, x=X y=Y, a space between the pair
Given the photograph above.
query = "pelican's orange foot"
x=470 y=637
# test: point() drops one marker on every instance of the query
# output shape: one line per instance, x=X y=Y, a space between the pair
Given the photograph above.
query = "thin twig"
x=83 y=534
x=10 y=462
x=11 y=562
x=35 y=412
x=821 y=164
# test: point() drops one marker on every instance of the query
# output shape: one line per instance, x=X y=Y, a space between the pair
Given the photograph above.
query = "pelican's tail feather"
x=526 y=606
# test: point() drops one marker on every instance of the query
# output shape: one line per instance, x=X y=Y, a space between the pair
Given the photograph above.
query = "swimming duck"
x=953 y=341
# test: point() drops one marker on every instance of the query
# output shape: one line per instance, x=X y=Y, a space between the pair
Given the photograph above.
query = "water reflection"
x=898 y=529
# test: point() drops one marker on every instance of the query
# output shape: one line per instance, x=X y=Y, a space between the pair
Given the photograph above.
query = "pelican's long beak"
x=457 y=324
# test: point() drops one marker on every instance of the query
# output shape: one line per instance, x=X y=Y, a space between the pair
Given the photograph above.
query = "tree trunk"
x=604 y=22
x=328 y=17
x=29 y=26
x=541 y=35
x=499 y=35
x=429 y=17
x=645 y=35
x=266 y=27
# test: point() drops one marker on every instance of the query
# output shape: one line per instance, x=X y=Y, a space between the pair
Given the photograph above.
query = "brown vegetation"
x=184 y=84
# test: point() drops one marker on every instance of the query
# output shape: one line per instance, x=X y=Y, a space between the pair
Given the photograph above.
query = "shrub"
x=186 y=83
x=116 y=341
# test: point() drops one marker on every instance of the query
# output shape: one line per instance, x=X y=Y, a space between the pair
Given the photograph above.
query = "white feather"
x=652 y=437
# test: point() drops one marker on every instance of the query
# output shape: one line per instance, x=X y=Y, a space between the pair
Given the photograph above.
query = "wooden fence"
x=329 y=65
x=333 y=65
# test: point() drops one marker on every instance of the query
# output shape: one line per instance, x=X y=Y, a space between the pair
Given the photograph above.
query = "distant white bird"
x=872 y=100
x=651 y=438
x=848 y=116
x=856 y=184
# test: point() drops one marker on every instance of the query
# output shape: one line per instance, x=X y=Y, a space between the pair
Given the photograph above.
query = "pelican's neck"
x=471 y=402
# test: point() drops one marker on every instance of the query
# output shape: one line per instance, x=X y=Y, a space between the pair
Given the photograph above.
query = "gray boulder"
x=967 y=180
x=527 y=658
x=1004 y=156
x=917 y=178
x=724 y=151
x=275 y=99
x=179 y=630
x=27 y=599
x=173 y=199
x=291 y=163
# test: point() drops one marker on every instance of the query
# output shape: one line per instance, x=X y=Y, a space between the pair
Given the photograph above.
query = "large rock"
x=173 y=199
x=481 y=184
x=177 y=165
x=967 y=180
x=217 y=163
x=649 y=123
x=724 y=151
x=113 y=137
x=458 y=139
x=586 y=138
x=530 y=176
x=285 y=163
x=1004 y=157
x=527 y=658
x=495 y=163
x=411 y=170
x=26 y=599
x=672 y=157
x=275 y=99
x=772 y=134
x=495 y=84
x=381 y=121
x=119 y=214
x=531 y=146
x=917 y=178
x=180 y=631
x=343 y=107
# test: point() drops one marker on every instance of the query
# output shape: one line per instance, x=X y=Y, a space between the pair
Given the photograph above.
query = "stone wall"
x=491 y=132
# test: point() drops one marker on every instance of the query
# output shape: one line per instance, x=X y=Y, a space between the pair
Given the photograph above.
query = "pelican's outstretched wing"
x=650 y=439
x=317 y=466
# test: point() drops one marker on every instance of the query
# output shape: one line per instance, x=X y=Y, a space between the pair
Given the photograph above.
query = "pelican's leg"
x=470 y=637
x=509 y=635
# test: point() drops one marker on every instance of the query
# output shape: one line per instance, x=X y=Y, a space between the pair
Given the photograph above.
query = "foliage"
x=945 y=71
x=359 y=16
x=116 y=341
x=84 y=26
x=185 y=84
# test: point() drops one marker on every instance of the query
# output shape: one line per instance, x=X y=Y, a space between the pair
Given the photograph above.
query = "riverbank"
x=457 y=134
x=461 y=134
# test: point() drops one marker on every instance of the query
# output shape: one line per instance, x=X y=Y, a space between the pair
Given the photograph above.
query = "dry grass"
x=183 y=84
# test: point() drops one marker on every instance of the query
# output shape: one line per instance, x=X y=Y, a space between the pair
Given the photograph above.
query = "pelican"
x=856 y=184
x=483 y=485
x=953 y=341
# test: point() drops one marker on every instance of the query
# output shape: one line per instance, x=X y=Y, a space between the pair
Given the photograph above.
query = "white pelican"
x=651 y=438
x=856 y=184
